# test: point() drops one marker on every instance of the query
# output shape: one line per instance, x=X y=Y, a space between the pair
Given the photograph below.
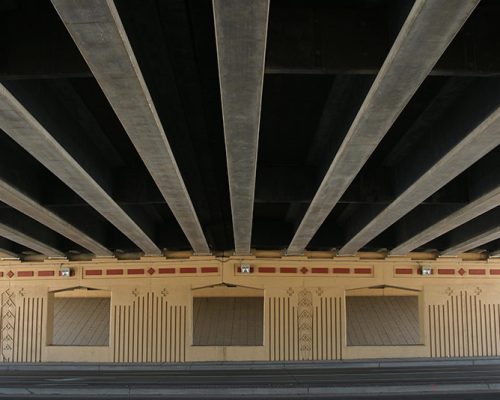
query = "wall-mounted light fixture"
x=425 y=270
x=245 y=268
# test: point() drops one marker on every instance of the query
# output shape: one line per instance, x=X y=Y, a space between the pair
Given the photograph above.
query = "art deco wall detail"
x=464 y=326
x=29 y=329
x=21 y=324
x=305 y=319
x=151 y=329
x=7 y=324
x=304 y=326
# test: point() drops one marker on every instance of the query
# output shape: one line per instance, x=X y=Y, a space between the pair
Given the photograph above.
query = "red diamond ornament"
x=151 y=271
x=461 y=271
x=304 y=270
x=10 y=274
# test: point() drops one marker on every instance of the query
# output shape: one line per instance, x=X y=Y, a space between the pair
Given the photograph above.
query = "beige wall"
x=304 y=306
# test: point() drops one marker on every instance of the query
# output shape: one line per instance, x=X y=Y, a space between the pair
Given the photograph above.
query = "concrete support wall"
x=304 y=307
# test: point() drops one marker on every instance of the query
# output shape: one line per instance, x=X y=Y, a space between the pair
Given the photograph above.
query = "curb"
x=200 y=366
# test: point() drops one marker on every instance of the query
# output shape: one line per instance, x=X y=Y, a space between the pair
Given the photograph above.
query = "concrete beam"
x=25 y=240
x=473 y=242
x=425 y=35
x=16 y=199
x=241 y=33
x=472 y=235
x=479 y=206
x=22 y=127
x=457 y=159
x=97 y=30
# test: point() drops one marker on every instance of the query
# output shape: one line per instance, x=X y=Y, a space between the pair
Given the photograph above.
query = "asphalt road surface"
x=251 y=381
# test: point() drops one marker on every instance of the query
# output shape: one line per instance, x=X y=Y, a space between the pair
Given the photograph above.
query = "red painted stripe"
x=319 y=270
x=446 y=271
x=362 y=270
x=114 y=272
x=188 y=270
x=404 y=271
x=288 y=270
x=93 y=272
x=341 y=270
x=25 y=273
x=135 y=271
x=166 y=270
x=46 y=273
x=1 y=274
x=267 y=270
x=208 y=270
x=477 y=272
x=492 y=272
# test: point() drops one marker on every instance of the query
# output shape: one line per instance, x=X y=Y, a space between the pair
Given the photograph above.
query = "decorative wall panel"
x=151 y=329
x=282 y=329
x=29 y=329
x=307 y=326
x=7 y=324
x=464 y=326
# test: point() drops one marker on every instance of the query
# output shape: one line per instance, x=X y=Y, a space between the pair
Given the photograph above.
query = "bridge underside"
x=193 y=180
x=151 y=126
